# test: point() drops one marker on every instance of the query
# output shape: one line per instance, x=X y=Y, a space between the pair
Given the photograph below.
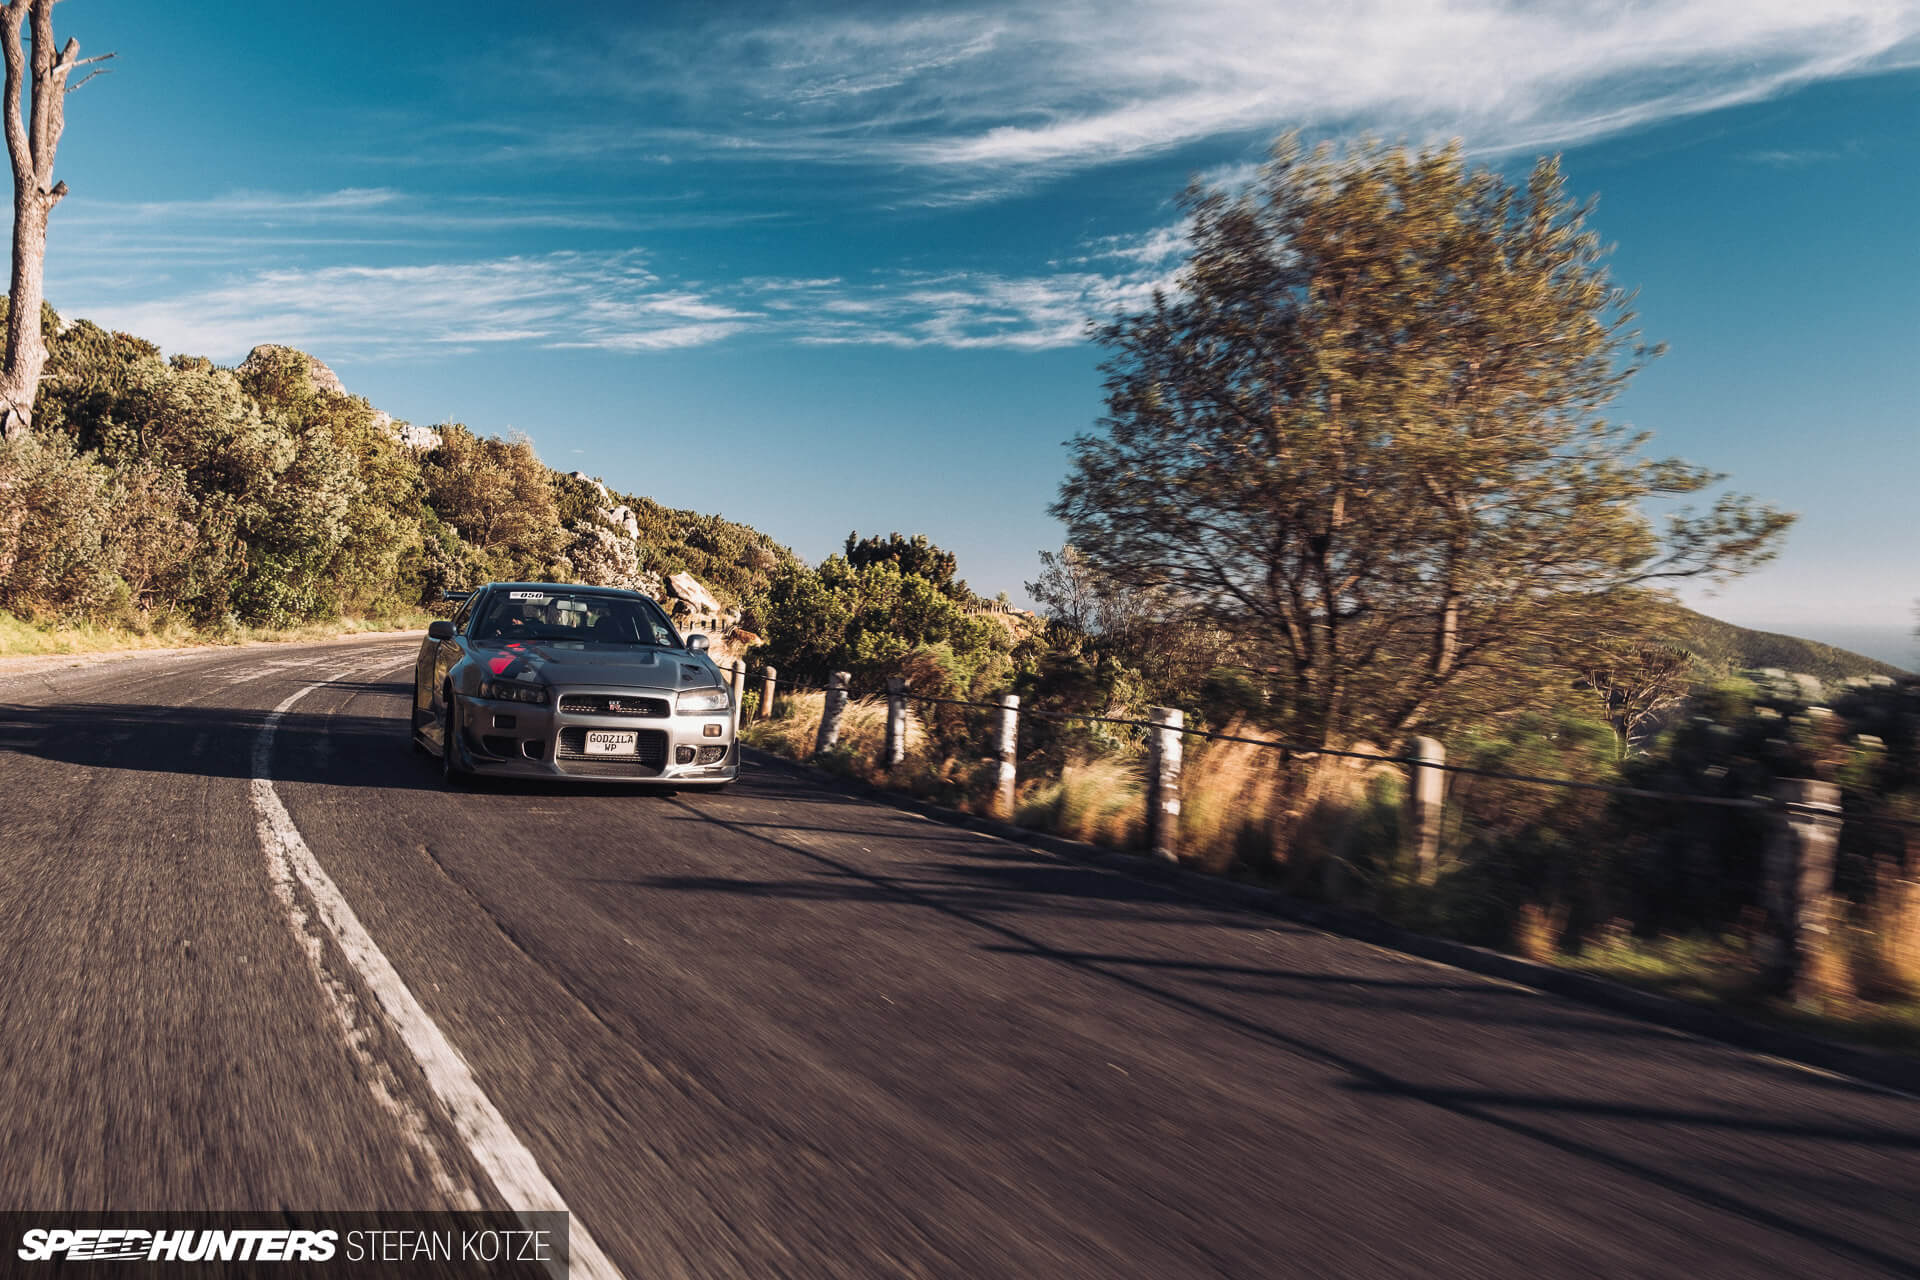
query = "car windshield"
x=562 y=616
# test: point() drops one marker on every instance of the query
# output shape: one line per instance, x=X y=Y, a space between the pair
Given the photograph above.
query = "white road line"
x=507 y=1162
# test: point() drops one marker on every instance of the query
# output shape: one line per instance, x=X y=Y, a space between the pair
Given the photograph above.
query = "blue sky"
x=821 y=267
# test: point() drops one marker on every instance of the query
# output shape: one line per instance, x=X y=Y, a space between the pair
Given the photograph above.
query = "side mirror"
x=440 y=629
x=697 y=643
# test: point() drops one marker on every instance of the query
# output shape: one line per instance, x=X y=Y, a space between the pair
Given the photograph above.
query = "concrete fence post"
x=1426 y=805
x=1164 y=746
x=737 y=686
x=1800 y=851
x=895 y=749
x=1006 y=745
x=830 y=714
x=767 y=684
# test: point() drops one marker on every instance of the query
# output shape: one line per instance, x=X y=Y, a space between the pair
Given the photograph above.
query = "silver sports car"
x=546 y=680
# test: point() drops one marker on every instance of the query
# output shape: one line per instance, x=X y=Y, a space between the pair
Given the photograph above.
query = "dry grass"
x=1303 y=823
x=1887 y=951
x=1237 y=809
x=1230 y=798
x=1538 y=931
x=792 y=732
x=863 y=728
x=1100 y=801
x=1724 y=973
x=25 y=639
x=961 y=784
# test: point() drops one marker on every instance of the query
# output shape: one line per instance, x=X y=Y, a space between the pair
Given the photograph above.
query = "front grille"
x=650 y=754
x=613 y=704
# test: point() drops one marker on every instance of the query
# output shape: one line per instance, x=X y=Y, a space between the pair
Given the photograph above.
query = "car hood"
x=567 y=664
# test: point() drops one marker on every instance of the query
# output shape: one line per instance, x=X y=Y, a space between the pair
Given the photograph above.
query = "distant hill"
x=1725 y=647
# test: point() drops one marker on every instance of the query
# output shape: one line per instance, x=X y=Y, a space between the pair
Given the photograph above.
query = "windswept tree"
x=1635 y=683
x=1364 y=433
x=1068 y=590
x=37 y=85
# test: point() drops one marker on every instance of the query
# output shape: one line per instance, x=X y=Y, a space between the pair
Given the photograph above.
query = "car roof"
x=563 y=586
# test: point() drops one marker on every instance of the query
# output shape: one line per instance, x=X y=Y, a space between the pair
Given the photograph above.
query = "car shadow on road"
x=217 y=742
x=327 y=749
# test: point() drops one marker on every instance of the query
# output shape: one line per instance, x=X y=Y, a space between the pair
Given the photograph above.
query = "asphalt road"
x=782 y=1032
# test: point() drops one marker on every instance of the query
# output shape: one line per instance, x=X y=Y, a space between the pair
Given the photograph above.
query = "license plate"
x=606 y=742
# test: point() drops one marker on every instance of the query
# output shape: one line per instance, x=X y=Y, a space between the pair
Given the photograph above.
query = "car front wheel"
x=450 y=771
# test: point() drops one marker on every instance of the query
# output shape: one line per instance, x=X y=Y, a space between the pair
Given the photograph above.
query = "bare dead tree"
x=1636 y=684
x=36 y=87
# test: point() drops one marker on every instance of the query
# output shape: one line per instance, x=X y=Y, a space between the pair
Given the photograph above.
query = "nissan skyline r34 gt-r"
x=545 y=680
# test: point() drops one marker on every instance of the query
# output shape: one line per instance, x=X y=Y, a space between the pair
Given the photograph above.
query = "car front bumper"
x=517 y=739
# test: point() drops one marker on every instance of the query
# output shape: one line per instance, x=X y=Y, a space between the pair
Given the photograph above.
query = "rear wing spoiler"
x=455 y=597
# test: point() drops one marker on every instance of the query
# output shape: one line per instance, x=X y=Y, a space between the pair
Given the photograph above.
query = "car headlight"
x=512 y=691
x=700 y=701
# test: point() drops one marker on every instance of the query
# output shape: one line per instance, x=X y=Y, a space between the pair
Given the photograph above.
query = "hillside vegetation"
x=1723 y=648
x=161 y=494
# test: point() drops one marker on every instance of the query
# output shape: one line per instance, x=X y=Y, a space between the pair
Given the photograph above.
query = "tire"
x=413 y=720
x=450 y=771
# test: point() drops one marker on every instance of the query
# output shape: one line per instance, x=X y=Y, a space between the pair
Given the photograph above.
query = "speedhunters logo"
x=106 y=1244
x=489 y=1243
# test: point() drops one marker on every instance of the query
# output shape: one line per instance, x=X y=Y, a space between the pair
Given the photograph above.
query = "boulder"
x=623 y=518
x=687 y=587
x=584 y=478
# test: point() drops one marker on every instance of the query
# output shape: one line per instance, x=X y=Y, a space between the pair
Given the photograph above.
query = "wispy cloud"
x=1791 y=159
x=999 y=94
x=352 y=213
x=960 y=310
x=616 y=302
x=609 y=300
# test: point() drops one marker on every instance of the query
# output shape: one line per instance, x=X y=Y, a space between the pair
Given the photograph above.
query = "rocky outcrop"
x=421 y=439
x=264 y=355
x=591 y=483
x=621 y=516
x=602 y=558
